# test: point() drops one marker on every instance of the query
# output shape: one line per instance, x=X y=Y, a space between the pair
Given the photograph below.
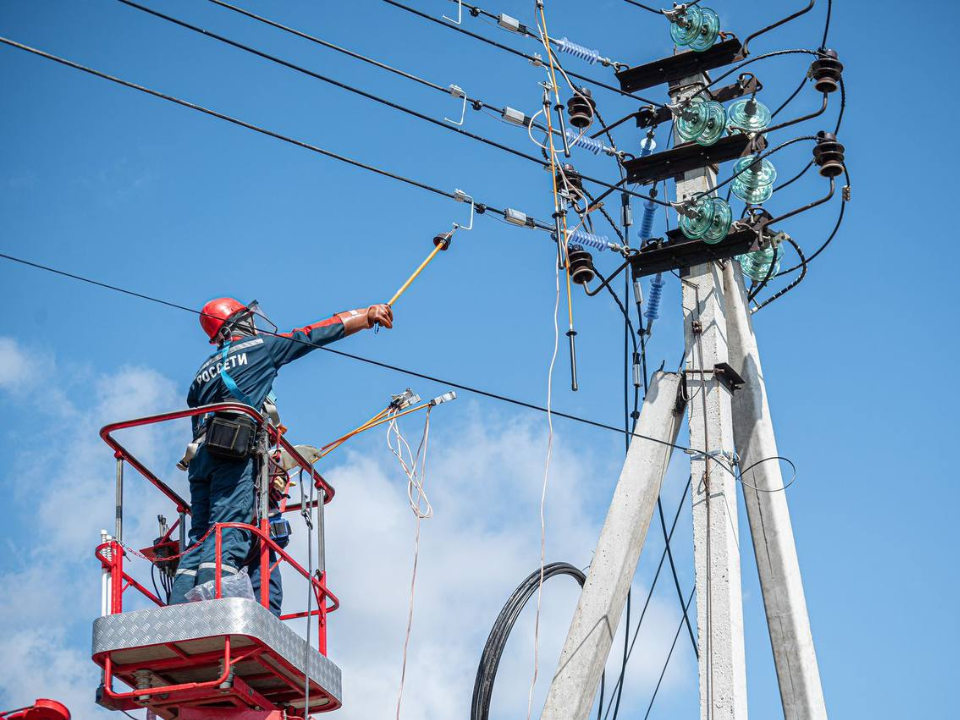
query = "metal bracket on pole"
x=722 y=371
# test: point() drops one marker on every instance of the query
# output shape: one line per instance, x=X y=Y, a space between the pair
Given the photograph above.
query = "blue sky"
x=109 y=183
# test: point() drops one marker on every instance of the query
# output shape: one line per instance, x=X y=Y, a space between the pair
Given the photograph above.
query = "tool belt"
x=230 y=437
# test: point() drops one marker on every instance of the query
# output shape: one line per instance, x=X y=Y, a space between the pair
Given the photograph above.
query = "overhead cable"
x=530 y=58
x=337 y=83
x=360 y=358
x=481 y=207
x=655 y=11
x=513 y=25
x=477 y=103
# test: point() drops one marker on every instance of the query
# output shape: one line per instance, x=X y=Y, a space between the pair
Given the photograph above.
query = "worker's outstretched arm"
x=357 y=320
x=287 y=347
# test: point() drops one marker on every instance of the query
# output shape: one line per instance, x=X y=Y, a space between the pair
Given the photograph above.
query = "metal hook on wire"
x=459 y=14
x=440 y=244
x=458 y=92
x=460 y=196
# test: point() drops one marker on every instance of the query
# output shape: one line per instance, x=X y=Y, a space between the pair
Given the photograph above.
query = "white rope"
x=530 y=131
x=543 y=498
x=546 y=465
x=414 y=467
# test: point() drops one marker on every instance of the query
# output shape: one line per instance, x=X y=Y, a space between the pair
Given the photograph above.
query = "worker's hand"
x=380 y=315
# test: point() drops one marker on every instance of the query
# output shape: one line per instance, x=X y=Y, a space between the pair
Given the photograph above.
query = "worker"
x=225 y=464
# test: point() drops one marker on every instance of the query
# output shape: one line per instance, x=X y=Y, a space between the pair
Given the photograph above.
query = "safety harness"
x=229 y=436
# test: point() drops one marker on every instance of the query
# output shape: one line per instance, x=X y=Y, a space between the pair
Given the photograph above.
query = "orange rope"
x=376 y=420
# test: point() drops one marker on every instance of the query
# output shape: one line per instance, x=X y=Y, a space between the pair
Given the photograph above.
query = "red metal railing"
x=182 y=505
x=42 y=708
x=111 y=553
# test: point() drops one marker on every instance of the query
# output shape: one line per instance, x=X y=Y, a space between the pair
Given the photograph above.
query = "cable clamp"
x=513 y=116
x=404 y=400
x=508 y=23
x=446 y=397
x=515 y=217
x=729 y=455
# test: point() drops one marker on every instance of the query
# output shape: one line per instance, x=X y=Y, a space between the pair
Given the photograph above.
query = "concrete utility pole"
x=723 y=672
x=794 y=655
x=585 y=651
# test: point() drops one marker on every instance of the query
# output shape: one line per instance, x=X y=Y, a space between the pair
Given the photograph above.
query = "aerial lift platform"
x=227 y=658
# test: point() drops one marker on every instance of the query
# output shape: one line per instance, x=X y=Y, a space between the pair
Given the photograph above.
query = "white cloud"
x=62 y=483
x=483 y=478
x=16 y=369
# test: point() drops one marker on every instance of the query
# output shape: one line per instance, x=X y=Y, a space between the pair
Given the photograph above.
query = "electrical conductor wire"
x=530 y=58
x=481 y=207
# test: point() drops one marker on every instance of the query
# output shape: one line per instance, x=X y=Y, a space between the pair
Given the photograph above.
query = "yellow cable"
x=372 y=423
x=330 y=447
x=556 y=199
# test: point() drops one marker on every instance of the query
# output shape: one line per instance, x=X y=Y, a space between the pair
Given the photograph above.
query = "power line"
x=324 y=78
x=337 y=83
x=530 y=58
x=352 y=356
x=477 y=103
x=644 y=7
x=481 y=207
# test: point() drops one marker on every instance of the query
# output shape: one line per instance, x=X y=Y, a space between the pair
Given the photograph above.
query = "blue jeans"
x=221 y=491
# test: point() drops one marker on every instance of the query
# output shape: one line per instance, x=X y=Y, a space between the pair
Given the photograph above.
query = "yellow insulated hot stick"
x=441 y=242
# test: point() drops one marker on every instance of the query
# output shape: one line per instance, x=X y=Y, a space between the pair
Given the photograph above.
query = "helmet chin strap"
x=242 y=326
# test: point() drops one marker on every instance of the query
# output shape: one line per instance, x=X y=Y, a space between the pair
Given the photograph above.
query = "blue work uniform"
x=223 y=490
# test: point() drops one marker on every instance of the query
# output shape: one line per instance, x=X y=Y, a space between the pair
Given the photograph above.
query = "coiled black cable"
x=500 y=633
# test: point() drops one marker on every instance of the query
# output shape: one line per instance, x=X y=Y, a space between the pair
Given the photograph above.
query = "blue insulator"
x=584 y=53
x=588 y=143
x=647 y=146
x=646 y=224
x=653 y=299
x=599 y=242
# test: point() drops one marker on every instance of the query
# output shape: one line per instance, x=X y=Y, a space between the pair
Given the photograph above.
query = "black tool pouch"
x=232 y=437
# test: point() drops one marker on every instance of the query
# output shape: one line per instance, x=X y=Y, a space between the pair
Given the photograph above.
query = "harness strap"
x=231 y=384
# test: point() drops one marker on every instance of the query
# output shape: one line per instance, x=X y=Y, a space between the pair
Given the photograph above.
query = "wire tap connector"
x=404 y=400
x=449 y=396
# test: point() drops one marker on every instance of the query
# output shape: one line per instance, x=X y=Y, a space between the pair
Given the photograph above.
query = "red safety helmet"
x=215 y=313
